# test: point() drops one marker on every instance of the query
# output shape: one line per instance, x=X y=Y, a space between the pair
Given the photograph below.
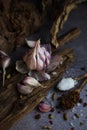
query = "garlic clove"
x=38 y=75
x=41 y=54
x=31 y=81
x=24 y=89
x=30 y=43
x=21 y=67
x=45 y=75
x=30 y=59
x=5 y=61
x=43 y=107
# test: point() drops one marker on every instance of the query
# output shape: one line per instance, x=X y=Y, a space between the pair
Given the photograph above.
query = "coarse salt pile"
x=66 y=84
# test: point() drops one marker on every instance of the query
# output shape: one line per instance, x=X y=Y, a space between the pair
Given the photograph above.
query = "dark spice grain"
x=38 y=116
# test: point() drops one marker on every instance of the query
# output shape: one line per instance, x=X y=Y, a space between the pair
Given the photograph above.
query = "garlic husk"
x=30 y=59
x=43 y=107
x=21 y=67
x=24 y=89
x=31 y=81
x=30 y=43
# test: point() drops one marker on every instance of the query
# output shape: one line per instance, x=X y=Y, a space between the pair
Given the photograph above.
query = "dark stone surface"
x=77 y=18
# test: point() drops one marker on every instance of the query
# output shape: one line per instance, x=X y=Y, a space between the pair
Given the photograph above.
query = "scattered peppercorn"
x=51 y=116
x=38 y=116
x=76 y=115
x=52 y=110
x=85 y=104
x=65 y=116
x=72 y=128
x=51 y=122
x=59 y=112
x=54 y=96
x=83 y=68
x=8 y=76
x=80 y=100
x=47 y=127
x=81 y=123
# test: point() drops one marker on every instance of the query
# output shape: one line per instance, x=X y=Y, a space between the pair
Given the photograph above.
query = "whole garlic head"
x=38 y=58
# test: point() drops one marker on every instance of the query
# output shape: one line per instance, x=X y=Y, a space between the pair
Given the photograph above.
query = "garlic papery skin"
x=24 y=89
x=31 y=81
x=43 y=107
x=30 y=59
x=30 y=43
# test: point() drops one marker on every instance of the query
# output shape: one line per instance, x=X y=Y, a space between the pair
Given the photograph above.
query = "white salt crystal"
x=66 y=84
x=71 y=124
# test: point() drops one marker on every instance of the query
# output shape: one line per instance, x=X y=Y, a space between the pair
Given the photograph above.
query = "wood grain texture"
x=13 y=108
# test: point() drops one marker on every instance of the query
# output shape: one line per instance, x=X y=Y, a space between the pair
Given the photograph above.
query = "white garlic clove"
x=43 y=107
x=31 y=81
x=24 y=89
x=30 y=43
x=21 y=67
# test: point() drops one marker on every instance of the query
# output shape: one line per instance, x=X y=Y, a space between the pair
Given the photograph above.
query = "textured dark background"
x=77 y=18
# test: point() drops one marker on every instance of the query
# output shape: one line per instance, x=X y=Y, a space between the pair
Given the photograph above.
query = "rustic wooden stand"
x=14 y=106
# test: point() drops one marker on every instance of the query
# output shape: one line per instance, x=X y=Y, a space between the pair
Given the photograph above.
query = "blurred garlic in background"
x=4 y=62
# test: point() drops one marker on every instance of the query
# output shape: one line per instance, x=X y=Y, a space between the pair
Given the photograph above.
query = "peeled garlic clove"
x=24 y=89
x=43 y=107
x=21 y=67
x=30 y=43
x=31 y=81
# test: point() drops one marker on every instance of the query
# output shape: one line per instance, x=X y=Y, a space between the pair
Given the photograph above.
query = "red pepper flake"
x=73 y=128
x=51 y=122
x=85 y=104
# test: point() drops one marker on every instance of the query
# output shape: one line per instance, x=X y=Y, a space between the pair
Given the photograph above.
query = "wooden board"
x=13 y=107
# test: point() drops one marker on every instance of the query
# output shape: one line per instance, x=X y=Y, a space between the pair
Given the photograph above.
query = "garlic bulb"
x=38 y=59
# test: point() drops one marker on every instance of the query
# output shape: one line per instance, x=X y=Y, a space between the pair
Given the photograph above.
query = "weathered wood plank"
x=13 y=108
